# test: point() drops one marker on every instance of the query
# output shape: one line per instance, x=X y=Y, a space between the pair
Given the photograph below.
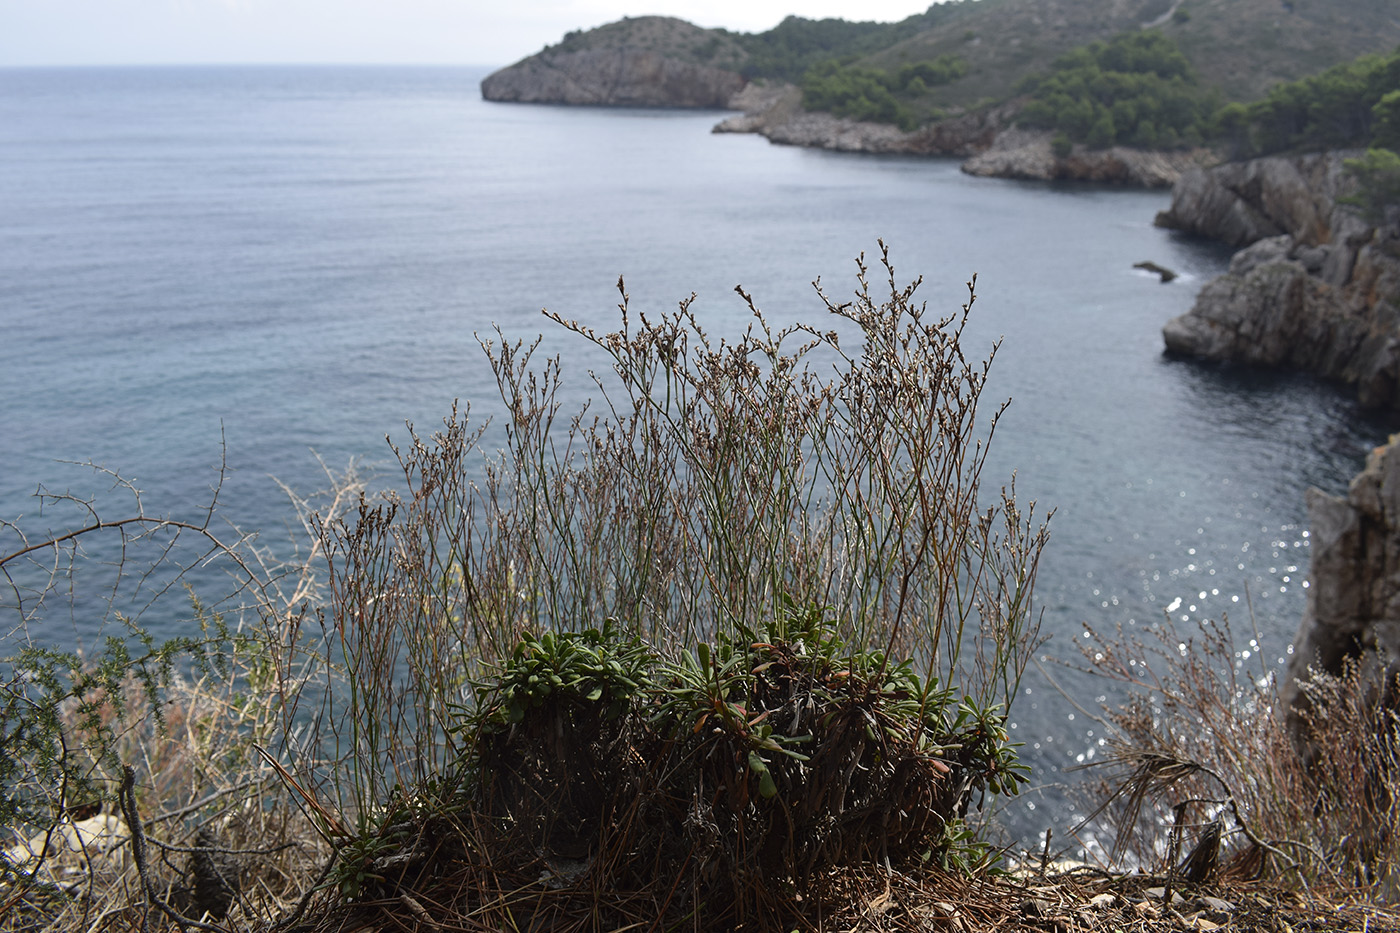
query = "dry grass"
x=1204 y=750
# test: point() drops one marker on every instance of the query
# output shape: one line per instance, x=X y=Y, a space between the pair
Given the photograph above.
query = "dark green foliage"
x=942 y=70
x=1103 y=133
x=1353 y=104
x=790 y=49
x=597 y=670
x=1378 y=176
x=1136 y=89
x=1385 y=126
x=1232 y=128
x=858 y=93
x=867 y=94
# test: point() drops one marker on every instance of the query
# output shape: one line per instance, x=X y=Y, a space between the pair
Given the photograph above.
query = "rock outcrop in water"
x=648 y=61
x=1353 y=606
x=1316 y=289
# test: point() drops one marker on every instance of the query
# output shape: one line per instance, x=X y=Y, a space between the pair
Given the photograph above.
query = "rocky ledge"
x=1018 y=153
x=1316 y=288
x=987 y=139
x=775 y=112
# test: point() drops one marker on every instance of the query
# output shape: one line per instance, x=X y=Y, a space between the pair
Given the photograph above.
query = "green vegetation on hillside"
x=1176 y=61
x=1378 y=181
x=1350 y=105
x=867 y=94
x=1136 y=89
x=790 y=49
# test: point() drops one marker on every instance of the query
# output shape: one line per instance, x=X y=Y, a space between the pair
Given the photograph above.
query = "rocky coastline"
x=1314 y=288
x=988 y=140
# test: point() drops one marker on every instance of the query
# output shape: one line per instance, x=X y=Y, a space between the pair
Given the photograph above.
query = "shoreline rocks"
x=1240 y=203
x=1316 y=288
x=1352 y=615
x=775 y=112
x=1028 y=154
x=987 y=139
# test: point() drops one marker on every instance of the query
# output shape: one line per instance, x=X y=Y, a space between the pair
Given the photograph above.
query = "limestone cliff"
x=1316 y=289
x=1353 y=607
x=649 y=61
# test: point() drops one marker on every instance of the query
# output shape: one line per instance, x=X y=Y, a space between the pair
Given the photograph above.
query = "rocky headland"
x=613 y=78
x=1315 y=287
x=648 y=61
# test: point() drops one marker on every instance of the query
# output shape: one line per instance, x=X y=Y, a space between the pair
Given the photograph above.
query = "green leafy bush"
x=1385 y=125
x=778 y=754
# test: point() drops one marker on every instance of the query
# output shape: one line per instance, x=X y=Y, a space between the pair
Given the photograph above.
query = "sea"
x=249 y=278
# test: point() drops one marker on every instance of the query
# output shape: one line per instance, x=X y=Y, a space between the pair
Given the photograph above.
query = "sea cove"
x=299 y=259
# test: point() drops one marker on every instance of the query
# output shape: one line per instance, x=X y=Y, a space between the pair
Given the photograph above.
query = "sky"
x=453 y=32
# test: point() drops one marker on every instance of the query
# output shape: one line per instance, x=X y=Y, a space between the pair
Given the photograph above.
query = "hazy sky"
x=475 y=32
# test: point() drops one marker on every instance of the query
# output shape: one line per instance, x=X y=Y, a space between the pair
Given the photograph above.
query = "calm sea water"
x=281 y=261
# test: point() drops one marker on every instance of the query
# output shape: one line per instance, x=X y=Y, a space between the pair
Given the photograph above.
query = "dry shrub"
x=757 y=618
x=1204 y=754
x=203 y=797
x=134 y=732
